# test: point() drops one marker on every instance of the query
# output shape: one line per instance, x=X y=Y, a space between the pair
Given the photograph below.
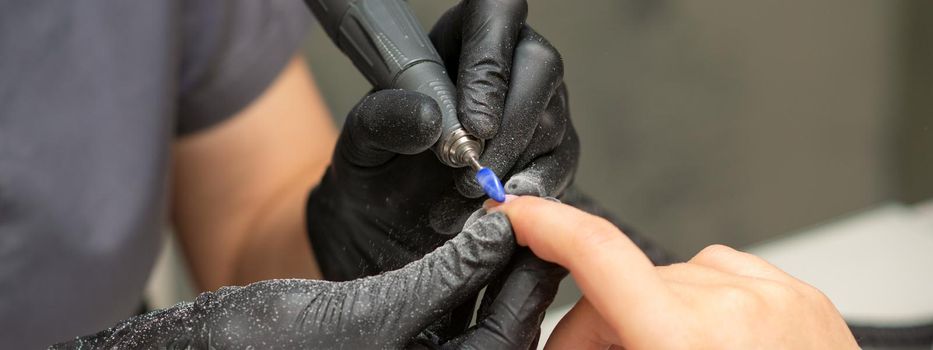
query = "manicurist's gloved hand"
x=371 y=213
x=511 y=93
x=386 y=311
x=386 y=199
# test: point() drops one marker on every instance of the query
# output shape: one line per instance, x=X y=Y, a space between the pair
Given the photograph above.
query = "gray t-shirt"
x=92 y=93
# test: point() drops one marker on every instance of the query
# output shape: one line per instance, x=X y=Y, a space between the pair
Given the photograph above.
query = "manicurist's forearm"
x=277 y=246
x=239 y=187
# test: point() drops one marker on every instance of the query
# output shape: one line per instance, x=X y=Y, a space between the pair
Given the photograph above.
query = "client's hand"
x=721 y=298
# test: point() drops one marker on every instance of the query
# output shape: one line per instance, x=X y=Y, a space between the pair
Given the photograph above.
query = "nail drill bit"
x=491 y=184
x=488 y=180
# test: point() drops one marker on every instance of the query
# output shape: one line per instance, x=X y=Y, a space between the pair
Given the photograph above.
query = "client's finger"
x=611 y=271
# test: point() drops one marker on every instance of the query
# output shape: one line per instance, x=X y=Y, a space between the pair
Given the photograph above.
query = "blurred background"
x=729 y=121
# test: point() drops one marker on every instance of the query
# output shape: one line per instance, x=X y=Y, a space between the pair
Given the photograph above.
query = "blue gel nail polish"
x=491 y=184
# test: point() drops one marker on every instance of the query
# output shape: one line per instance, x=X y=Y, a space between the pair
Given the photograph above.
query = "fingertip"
x=500 y=219
x=395 y=121
x=487 y=240
x=426 y=124
x=520 y=184
x=494 y=226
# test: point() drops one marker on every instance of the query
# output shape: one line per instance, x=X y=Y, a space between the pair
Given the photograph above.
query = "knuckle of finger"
x=492 y=230
x=816 y=295
x=550 y=123
x=538 y=49
x=714 y=253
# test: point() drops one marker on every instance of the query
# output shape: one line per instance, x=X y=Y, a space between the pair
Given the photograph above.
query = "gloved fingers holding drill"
x=385 y=311
x=476 y=40
x=391 y=199
x=511 y=93
x=386 y=199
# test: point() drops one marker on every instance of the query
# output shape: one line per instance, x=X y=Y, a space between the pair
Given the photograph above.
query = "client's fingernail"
x=492 y=206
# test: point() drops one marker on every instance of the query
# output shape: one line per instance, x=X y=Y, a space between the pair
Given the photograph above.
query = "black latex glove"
x=385 y=311
x=510 y=92
x=386 y=200
x=493 y=57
